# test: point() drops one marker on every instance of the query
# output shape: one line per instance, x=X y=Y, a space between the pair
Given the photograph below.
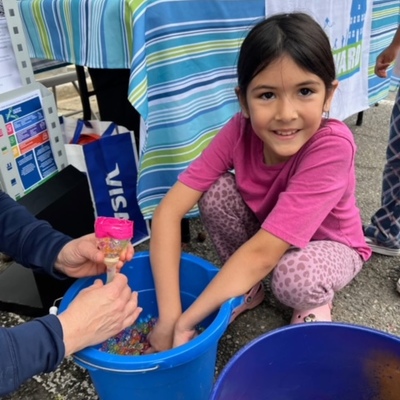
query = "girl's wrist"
x=184 y=323
x=169 y=321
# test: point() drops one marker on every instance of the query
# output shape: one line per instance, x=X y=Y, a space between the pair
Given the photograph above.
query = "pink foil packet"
x=116 y=228
x=113 y=235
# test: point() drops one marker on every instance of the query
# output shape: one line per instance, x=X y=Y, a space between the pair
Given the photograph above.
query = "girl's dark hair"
x=295 y=34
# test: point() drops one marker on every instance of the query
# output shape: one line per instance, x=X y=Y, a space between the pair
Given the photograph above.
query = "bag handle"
x=78 y=131
x=82 y=123
x=109 y=131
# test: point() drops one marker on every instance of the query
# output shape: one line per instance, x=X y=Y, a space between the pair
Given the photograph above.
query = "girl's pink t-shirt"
x=309 y=197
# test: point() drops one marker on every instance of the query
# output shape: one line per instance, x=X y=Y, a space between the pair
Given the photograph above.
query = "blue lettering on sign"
x=348 y=54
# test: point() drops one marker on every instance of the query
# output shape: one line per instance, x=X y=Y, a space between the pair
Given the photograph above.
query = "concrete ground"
x=370 y=300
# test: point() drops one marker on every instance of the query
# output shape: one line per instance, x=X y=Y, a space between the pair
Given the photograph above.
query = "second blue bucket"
x=183 y=373
x=315 y=361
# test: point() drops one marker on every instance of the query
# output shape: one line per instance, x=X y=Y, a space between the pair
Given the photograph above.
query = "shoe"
x=318 y=314
x=252 y=299
x=381 y=249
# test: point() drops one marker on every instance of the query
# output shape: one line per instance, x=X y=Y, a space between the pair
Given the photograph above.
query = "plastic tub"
x=186 y=372
x=314 y=361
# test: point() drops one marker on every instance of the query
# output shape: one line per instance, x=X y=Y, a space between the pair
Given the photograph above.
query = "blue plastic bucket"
x=186 y=372
x=315 y=361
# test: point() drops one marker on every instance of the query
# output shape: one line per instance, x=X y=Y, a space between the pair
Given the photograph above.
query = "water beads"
x=113 y=235
x=132 y=341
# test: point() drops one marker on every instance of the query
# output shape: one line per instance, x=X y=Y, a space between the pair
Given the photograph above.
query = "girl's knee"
x=298 y=287
x=310 y=277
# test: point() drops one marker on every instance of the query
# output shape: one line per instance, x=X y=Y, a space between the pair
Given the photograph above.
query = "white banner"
x=348 y=26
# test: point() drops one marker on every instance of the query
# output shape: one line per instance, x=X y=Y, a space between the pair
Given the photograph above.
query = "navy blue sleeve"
x=31 y=242
x=29 y=349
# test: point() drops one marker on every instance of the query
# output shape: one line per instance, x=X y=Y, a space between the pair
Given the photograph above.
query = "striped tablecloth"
x=182 y=56
x=93 y=33
x=385 y=20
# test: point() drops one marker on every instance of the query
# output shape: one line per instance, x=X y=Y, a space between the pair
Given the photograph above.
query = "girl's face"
x=285 y=104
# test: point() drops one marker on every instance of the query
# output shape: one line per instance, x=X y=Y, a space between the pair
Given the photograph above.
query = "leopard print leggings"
x=303 y=278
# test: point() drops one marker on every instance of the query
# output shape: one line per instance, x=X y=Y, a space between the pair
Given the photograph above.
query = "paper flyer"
x=29 y=138
x=9 y=74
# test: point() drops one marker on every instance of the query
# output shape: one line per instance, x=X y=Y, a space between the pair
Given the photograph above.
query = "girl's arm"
x=165 y=254
x=254 y=260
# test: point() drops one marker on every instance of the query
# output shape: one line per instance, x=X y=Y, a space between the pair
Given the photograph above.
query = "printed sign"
x=29 y=139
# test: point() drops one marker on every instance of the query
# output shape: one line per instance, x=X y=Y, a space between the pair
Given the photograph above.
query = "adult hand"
x=81 y=257
x=98 y=313
x=384 y=60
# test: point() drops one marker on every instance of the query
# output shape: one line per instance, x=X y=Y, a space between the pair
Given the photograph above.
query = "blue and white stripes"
x=182 y=55
x=385 y=20
x=191 y=50
x=95 y=33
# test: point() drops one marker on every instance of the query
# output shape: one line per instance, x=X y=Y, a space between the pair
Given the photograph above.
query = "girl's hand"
x=160 y=338
x=183 y=334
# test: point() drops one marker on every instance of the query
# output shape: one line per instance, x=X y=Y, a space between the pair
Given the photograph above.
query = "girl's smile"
x=286 y=133
x=285 y=104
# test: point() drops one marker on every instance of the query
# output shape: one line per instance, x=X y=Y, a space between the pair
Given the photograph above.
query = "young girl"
x=275 y=187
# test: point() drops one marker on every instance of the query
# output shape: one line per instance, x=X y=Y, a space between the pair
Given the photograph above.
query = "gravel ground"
x=370 y=300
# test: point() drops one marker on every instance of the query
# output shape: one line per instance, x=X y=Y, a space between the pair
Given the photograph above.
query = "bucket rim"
x=91 y=357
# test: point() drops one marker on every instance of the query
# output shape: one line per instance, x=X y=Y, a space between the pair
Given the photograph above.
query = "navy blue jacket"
x=36 y=346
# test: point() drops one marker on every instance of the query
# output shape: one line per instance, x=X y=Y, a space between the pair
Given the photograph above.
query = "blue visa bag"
x=112 y=170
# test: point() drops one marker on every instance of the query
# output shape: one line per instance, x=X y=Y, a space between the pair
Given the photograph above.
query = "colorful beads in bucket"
x=132 y=341
x=185 y=372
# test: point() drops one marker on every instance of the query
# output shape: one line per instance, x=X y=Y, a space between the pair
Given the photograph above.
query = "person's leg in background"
x=306 y=280
x=383 y=233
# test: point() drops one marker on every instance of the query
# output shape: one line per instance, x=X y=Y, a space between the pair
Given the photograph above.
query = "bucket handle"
x=125 y=371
